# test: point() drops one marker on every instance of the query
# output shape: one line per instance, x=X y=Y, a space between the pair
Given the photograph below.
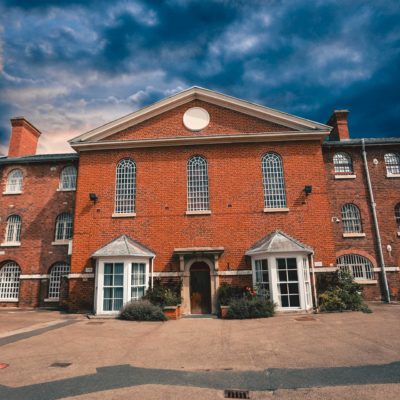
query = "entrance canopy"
x=123 y=246
x=278 y=242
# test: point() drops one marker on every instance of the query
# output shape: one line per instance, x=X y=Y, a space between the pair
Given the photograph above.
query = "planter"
x=224 y=311
x=172 y=312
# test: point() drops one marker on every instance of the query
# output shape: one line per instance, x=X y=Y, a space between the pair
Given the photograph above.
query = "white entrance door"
x=113 y=287
x=288 y=282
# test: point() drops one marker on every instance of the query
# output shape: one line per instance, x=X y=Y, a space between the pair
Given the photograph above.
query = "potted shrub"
x=225 y=294
x=171 y=305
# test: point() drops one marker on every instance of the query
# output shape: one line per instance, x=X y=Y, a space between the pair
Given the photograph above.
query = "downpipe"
x=376 y=225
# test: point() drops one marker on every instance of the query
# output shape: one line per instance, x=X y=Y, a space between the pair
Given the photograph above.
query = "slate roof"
x=39 y=158
x=123 y=246
x=278 y=241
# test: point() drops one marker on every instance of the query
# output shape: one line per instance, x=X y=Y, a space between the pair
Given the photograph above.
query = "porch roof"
x=123 y=246
x=198 y=250
x=278 y=242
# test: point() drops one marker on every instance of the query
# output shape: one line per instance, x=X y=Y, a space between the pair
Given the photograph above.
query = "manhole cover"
x=305 y=319
x=60 y=364
x=3 y=365
x=236 y=394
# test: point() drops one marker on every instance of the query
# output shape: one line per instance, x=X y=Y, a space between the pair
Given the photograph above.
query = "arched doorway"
x=200 y=288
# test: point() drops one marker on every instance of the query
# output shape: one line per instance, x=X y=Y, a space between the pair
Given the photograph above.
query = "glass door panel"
x=138 y=280
x=262 y=277
x=288 y=282
x=113 y=287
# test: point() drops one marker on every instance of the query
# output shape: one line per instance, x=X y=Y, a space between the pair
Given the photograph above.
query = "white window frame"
x=64 y=222
x=57 y=271
x=397 y=217
x=125 y=188
x=351 y=219
x=198 y=195
x=14 y=183
x=359 y=266
x=274 y=187
x=343 y=163
x=13 y=231
x=392 y=163
x=127 y=261
x=9 y=288
x=68 y=179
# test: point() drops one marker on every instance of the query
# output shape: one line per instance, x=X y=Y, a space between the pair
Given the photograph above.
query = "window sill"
x=52 y=300
x=365 y=281
x=116 y=215
x=353 y=235
x=11 y=193
x=274 y=210
x=10 y=244
x=345 y=177
x=60 y=243
x=398 y=234
x=8 y=300
x=389 y=175
x=66 y=190
x=200 y=212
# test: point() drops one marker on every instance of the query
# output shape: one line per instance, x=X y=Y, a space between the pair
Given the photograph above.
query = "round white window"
x=196 y=118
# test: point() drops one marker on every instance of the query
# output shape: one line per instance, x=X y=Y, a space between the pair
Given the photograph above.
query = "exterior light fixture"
x=307 y=189
x=93 y=197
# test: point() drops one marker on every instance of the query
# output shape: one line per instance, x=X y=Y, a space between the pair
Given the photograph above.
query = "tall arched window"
x=359 y=266
x=397 y=216
x=342 y=163
x=13 y=230
x=273 y=181
x=68 y=178
x=9 y=281
x=56 y=273
x=14 y=181
x=197 y=184
x=392 y=161
x=125 y=187
x=351 y=218
x=63 y=227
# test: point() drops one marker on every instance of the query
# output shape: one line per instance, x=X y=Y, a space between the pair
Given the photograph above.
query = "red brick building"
x=203 y=188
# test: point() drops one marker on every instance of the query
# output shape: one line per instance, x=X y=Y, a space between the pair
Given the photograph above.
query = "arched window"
x=397 y=216
x=14 y=181
x=359 y=266
x=56 y=273
x=9 y=281
x=273 y=181
x=125 y=187
x=351 y=218
x=64 y=227
x=13 y=230
x=197 y=184
x=342 y=163
x=68 y=178
x=392 y=161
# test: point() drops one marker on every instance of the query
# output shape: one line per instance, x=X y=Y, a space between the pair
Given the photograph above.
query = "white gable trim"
x=209 y=96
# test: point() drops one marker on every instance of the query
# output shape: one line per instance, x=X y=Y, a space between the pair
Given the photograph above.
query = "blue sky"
x=69 y=66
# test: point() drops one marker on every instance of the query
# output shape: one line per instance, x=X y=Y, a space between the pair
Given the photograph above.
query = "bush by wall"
x=226 y=293
x=142 y=310
x=164 y=295
x=255 y=307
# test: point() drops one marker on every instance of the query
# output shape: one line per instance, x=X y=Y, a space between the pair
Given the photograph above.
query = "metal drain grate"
x=60 y=364
x=236 y=394
x=95 y=323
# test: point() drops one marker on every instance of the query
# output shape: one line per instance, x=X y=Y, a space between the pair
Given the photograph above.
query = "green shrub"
x=256 y=307
x=142 y=310
x=227 y=292
x=345 y=295
x=164 y=295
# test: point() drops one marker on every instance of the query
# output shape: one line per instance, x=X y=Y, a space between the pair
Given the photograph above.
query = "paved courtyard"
x=329 y=356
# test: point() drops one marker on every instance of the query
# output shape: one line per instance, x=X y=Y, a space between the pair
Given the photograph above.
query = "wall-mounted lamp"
x=307 y=189
x=93 y=197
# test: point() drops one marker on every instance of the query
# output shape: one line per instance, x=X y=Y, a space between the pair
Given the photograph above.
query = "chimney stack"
x=24 y=138
x=338 y=121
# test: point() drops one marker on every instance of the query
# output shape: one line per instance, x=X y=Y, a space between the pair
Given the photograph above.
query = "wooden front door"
x=200 y=288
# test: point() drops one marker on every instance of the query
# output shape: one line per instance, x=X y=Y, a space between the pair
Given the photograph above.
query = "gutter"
x=376 y=225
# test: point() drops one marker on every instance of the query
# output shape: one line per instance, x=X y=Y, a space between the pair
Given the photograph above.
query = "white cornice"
x=206 y=95
x=201 y=140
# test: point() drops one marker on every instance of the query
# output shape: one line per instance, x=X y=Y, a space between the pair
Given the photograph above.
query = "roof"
x=39 y=158
x=358 y=142
x=123 y=246
x=278 y=242
x=210 y=96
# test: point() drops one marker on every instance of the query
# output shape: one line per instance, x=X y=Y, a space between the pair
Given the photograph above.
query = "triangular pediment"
x=276 y=122
x=123 y=246
x=278 y=242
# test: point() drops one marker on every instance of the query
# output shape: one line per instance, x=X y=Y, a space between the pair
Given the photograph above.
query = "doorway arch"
x=200 y=288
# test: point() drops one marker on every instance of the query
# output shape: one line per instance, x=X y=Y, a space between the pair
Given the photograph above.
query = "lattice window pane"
x=392 y=161
x=57 y=272
x=125 y=188
x=113 y=289
x=397 y=216
x=14 y=181
x=273 y=181
x=358 y=266
x=68 y=178
x=342 y=163
x=197 y=181
x=351 y=219
x=64 y=227
x=13 y=231
x=138 y=280
x=9 y=281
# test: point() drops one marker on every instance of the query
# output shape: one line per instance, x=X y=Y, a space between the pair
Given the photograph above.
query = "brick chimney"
x=24 y=138
x=338 y=121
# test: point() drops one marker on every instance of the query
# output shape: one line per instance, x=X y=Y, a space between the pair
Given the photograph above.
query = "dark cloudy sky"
x=70 y=65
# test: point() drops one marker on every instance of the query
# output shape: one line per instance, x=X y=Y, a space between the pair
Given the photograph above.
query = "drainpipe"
x=314 y=282
x=376 y=225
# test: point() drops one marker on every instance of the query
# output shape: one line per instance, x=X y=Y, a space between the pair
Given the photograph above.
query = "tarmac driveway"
x=288 y=356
